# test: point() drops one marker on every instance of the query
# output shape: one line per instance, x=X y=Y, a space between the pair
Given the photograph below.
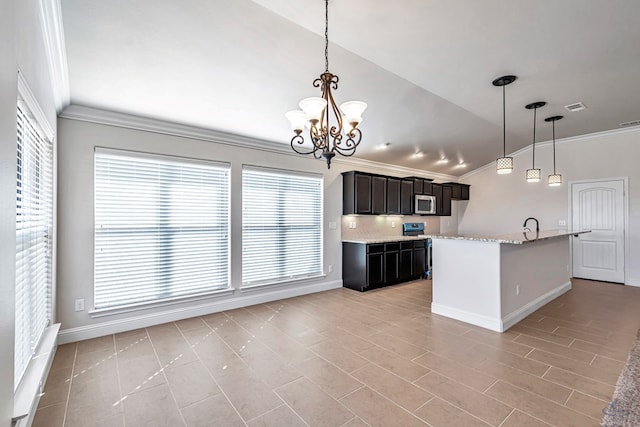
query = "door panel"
x=599 y=207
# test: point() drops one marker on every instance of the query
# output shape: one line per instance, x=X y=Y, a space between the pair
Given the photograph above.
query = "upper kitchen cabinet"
x=421 y=185
x=394 y=188
x=444 y=207
x=406 y=197
x=356 y=193
x=364 y=193
x=378 y=195
x=458 y=191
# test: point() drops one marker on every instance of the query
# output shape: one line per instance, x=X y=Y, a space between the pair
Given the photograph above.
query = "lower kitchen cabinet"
x=370 y=266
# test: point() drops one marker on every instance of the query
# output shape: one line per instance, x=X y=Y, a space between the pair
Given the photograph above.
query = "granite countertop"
x=383 y=239
x=512 y=238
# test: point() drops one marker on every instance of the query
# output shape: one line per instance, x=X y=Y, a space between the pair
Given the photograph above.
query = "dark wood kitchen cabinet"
x=458 y=191
x=419 y=258
x=444 y=208
x=421 y=185
x=391 y=263
x=406 y=197
x=356 y=193
x=406 y=261
x=394 y=188
x=378 y=195
x=370 y=266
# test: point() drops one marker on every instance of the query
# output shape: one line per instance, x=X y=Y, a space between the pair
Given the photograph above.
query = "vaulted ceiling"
x=424 y=67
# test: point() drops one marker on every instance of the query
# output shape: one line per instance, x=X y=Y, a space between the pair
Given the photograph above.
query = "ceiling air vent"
x=627 y=124
x=577 y=106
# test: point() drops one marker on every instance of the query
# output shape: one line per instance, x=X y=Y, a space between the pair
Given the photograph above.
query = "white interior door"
x=599 y=207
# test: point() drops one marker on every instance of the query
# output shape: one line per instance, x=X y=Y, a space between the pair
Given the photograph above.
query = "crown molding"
x=53 y=34
x=129 y=121
x=393 y=170
x=34 y=107
x=570 y=139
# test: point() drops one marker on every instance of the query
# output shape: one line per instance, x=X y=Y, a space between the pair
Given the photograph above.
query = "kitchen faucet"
x=537 y=223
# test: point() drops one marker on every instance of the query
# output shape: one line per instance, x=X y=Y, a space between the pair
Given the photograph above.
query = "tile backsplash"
x=372 y=226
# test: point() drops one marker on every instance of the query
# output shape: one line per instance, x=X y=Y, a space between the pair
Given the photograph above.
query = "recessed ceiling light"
x=383 y=146
x=442 y=161
x=576 y=106
x=418 y=154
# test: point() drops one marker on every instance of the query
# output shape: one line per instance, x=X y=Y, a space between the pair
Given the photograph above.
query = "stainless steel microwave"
x=424 y=205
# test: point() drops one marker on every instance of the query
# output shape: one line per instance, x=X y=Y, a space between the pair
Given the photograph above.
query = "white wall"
x=22 y=48
x=8 y=93
x=500 y=203
x=77 y=140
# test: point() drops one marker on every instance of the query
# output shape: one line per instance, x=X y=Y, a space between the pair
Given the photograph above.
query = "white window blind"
x=34 y=231
x=281 y=226
x=161 y=228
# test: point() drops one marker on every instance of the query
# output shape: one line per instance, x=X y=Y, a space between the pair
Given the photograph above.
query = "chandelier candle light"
x=504 y=164
x=326 y=122
x=533 y=174
x=555 y=179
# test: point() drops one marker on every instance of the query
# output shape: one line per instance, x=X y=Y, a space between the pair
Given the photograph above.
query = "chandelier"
x=331 y=129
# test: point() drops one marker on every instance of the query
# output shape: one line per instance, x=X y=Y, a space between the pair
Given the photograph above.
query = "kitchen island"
x=496 y=281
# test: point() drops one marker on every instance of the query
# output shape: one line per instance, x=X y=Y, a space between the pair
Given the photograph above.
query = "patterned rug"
x=624 y=409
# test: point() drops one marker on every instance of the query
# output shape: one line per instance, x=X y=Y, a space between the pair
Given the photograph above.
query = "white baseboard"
x=514 y=317
x=146 y=320
x=632 y=282
x=487 y=322
x=495 y=323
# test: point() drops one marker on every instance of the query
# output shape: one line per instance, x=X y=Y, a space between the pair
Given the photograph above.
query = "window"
x=161 y=228
x=34 y=232
x=281 y=226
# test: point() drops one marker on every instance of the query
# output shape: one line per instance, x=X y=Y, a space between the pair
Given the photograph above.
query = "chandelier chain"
x=326 y=36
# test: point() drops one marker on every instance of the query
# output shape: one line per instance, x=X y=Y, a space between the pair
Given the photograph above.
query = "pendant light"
x=533 y=174
x=555 y=179
x=504 y=164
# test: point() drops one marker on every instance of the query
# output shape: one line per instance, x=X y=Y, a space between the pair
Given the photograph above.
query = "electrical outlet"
x=562 y=222
x=393 y=224
x=332 y=225
x=80 y=304
x=330 y=268
x=517 y=289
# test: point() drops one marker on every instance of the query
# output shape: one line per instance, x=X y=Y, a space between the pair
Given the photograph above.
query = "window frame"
x=221 y=167
x=283 y=280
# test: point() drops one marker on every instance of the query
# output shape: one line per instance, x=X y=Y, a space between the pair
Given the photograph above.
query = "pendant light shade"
x=555 y=179
x=533 y=174
x=504 y=164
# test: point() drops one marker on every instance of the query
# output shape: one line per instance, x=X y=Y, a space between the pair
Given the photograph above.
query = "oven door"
x=424 y=205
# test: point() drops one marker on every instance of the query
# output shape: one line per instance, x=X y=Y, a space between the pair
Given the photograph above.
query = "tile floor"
x=344 y=358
